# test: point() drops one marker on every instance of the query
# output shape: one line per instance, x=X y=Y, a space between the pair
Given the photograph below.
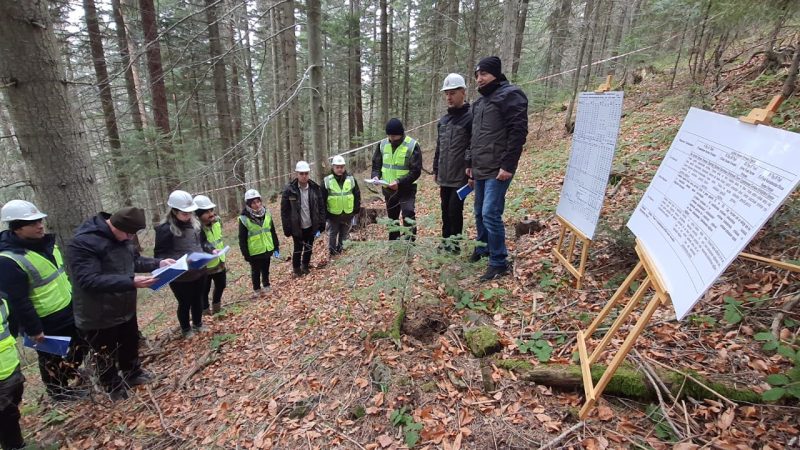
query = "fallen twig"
x=562 y=436
x=161 y=416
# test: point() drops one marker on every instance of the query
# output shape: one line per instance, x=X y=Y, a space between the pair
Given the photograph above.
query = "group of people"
x=477 y=145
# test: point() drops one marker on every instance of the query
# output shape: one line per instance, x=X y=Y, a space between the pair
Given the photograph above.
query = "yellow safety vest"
x=49 y=287
x=395 y=163
x=214 y=237
x=340 y=198
x=259 y=238
x=9 y=359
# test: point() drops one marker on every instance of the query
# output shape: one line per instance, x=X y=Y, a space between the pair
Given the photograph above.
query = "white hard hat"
x=20 y=210
x=302 y=166
x=203 y=202
x=251 y=194
x=453 y=81
x=338 y=160
x=182 y=201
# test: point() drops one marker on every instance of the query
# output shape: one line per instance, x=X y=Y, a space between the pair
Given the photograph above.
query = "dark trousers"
x=401 y=200
x=219 y=280
x=302 y=248
x=259 y=271
x=57 y=371
x=115 y=349
x=190 y=300
x=338 y=232
x=10 y=397
x=452 y=212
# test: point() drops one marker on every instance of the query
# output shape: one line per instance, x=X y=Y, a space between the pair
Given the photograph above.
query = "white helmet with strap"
x=251 y=194
x=203 y=202
x=20 y=210
x=182 y=201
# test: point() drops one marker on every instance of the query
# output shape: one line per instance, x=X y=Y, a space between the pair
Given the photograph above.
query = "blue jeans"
x=490 y=201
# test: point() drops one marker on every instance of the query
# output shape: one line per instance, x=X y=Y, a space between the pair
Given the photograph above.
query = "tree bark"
x=508 y=32
x=522 y=19
x=791 y=79
x=317 y=88
x=576 y=79
x=122 y=184
x=384 y=64
x=296 y=148
x=407 y=61
x=452 y=36
x=50 y=135
x=158 y=90
x=355 y=107
x=251 y=97
x=473 y=47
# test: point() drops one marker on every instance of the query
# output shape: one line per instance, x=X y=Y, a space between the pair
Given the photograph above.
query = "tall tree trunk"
x=124 y=45
x=384 y=64
x=251 y=97
x=355 y=107
x=296 y=148
x=473 y=46
x=317 y=110
x=452 y=36
x=107 y=102
x=576 y=79
x=508 y=32
x=407 y=61
x=595 y=14
x=158 y=90
x=559 y=30
x=791 y=79
x=678 y=58
x=50 y=135
x=616 y=39
x=521 y=21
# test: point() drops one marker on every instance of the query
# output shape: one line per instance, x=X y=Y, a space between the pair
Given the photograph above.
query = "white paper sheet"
x=718 y=184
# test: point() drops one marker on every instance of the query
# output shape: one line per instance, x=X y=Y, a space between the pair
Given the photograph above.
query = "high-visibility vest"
x=9 y=359
x=395 y=163
x=259 y=238
x=48 y=286
x=214 y=237
x=340 y=198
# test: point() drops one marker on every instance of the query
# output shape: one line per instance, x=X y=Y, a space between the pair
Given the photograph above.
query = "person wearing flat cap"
x=103 y=262
x=499 y=131
x=398 y=162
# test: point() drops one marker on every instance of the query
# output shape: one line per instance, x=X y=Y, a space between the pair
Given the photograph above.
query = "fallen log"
x=628 y=381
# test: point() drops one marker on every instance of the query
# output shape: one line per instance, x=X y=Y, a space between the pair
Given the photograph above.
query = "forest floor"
x=319 y=362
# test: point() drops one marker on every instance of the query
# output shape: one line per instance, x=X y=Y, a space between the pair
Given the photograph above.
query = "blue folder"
x=464 y=191
x=57 y=345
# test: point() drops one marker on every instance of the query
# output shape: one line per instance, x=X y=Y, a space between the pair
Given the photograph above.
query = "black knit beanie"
x=490 y=64
x=395 y=127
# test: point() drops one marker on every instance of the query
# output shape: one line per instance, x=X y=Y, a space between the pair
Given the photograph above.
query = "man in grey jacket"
x=499 y=131
x=102 y=263
x=454 y=132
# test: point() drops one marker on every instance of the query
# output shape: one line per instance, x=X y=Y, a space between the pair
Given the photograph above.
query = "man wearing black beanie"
x=499 y=131
x=398 y=162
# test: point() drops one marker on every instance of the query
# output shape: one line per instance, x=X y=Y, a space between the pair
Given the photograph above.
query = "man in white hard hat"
x=343 y=201
x=258 y=241
x=216 y=271
x=32 y=274
x=454 y=132
x=302 y=216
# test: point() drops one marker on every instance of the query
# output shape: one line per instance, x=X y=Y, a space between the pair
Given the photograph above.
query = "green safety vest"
x=49 y=287
x=340 y=198
x=9 y=359
x=259 y=238
x=395 y=164
x=214 y=237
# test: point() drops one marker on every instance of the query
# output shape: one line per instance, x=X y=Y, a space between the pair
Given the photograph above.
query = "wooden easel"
x=651 y=281
x=566 y=254
x=763 y=116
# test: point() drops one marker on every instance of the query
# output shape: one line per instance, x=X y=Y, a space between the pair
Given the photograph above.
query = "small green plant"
x=495 y=296
x=467 y=300
x=662 y=430
x=702 y=320
x=783 y=384
x=219 y=339
x=547 y=282
x=536 y=345
x=410 y=428
x=733 y=310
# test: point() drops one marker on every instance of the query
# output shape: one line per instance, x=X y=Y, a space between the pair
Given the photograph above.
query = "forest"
x=111 y=103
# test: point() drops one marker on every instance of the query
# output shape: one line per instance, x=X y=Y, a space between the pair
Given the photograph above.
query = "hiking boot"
x=265 y=292
x=298 y=272
x=493 y=272
x=475 y=256
x=186 y=334
x=139 y=378
x=199 y=329
x=256 y=293
x=206 y=312
x=216 y=308
x=305 y=270
x=118 y=394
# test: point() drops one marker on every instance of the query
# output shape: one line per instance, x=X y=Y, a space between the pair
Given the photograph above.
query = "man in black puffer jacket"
x=454 y=132
x=102 y=263
x=303 y=215
x=499 y=130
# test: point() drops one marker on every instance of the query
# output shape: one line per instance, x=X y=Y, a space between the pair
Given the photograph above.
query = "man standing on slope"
x=499 y=131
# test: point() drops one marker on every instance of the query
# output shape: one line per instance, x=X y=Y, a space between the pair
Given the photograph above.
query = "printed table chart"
x=593 y=144
x=718 y=184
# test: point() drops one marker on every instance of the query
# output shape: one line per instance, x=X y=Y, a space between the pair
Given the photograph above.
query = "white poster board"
x=593 y=144
x=716 y=187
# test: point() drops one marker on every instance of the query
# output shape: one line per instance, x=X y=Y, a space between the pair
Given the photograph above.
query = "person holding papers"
x=103 y=261
x=257 y=240
x=216 y=271
x=397 y=161
x=454 y=132
x=179 y=234
x=33 y=275
x=302 y=216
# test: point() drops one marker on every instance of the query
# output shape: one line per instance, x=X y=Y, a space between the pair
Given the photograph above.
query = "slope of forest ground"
x=322 y=363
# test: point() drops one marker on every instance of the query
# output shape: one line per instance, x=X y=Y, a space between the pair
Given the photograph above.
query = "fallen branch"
x=562 y=436
x=161 y=416
x=207 y=358
x=778 y=319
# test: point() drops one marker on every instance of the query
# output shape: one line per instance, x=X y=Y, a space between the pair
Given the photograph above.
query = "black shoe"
x=305 y=270
x=142 y=377
x=475 y=256
x=118 y=394
x=495 y=272
x=298 y=272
